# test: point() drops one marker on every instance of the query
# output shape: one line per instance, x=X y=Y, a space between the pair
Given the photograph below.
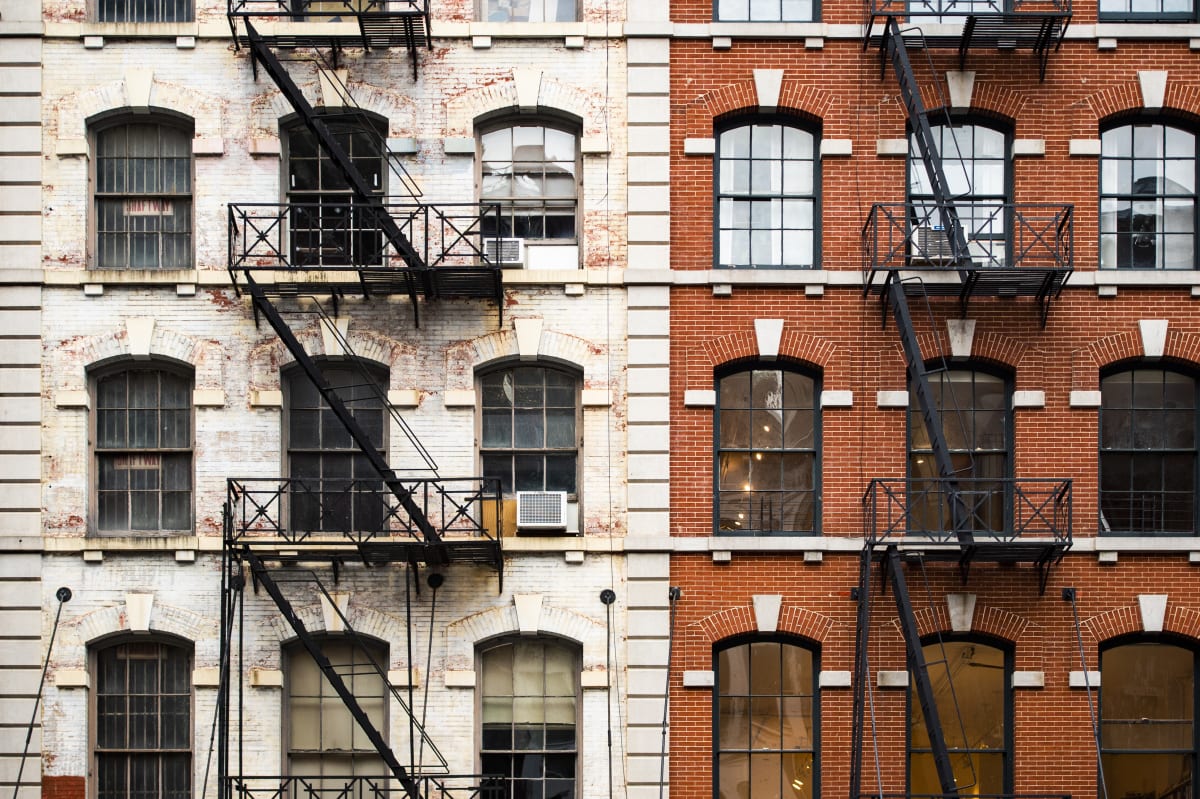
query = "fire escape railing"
x=346 y=237
x=998 y=510
x=1000 y=235
x=429 y=786
x=330 y=512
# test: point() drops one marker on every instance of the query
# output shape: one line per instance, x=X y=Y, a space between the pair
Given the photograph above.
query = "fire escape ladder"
x=437 y=550
x=364 y=194
x=959 y=513
x=894 y=567
x=263 y=577
x=862 y=672
x=895 y=50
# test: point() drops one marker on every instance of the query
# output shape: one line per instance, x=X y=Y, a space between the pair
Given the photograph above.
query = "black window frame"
x=127 y=11
x=506 y=224
x=356 y=501
x=328 y=225
x=112 y=184
x=1171 y=457
x=934 y=501
x=784 y=368
x=1163 y=639
x=1137 y=236
x=949 y=717
x=998 y=250
x=491 y=757
x=140 y=459
x=811 y=128
x=814 y=751
x=512 y=452
x=101 y=754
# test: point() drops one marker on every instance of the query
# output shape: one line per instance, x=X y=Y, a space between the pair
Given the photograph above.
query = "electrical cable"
x=1068 y=594
x=673 y=595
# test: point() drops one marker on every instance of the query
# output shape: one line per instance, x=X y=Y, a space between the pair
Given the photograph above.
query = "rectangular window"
x=143 y=197
x=144 y=11
x=144 y=451
x=529 y=11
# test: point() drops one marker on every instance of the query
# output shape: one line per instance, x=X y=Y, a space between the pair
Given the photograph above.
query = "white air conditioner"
x=930 y=245
x=541 y=510
x=505 y=252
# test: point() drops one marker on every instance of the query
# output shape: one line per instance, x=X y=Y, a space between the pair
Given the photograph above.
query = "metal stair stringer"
x=924 y=686
x=959 y=513
x=896 y=52
x=260 y=53
x=436 y=553
x=263 y=577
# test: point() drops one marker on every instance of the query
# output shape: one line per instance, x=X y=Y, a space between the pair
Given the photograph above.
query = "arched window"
x=529 y=428
x=971 y=685
x=332 y=485
x=767 y=461
x=529 y=696
x=767 y=718
x=975 y=408
x=532 y=171
x=323 y=739
x=767 y=196
x=327 y=226
x=1148 y=718
x=1148 y=178
x=1148 y=452
x=143 y=450
x=143 y=194
x=143 y=713
x=975 y=158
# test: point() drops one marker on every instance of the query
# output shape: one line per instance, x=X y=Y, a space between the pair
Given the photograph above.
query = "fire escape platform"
x=368 y=25
x=956 y=30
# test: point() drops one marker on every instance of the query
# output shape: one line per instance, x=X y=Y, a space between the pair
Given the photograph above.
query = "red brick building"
x=989 y=209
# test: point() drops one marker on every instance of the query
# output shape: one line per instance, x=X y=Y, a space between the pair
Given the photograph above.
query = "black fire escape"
x=947 y=248
x=301 y=531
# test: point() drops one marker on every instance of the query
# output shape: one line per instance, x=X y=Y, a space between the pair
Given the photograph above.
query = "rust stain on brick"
x=61 y=787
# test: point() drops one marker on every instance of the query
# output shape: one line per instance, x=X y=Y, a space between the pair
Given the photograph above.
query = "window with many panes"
x=766 y=714
x=1148 y=718
x=532 y=172
x=1147 y=10
x=143 y=450
x=331 y=483
x=327 y=224
x=970 y=680
x=766 y=187
x=528 y=10
x=975 y=159
x=529 y=692
x=977 y=425
x=1148 y=178
x=142 y=11
x=1148 y=452
x=143 y=195
x=529 y=428
x=143 y=716
x=767 y=464
x=325 y=745
x=766 y=10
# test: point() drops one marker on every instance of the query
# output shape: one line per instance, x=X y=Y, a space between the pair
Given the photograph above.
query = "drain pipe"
x=1068 y=595
x=673 y=595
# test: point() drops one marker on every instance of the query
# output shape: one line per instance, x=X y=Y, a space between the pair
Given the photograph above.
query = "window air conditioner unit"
x=931 y=245
x=541 y=510
x=505 y=252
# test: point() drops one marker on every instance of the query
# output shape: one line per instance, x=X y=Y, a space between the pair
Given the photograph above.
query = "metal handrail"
x=962 y=8
x=999 y=510
x=329 y=8
x=318 y=511
x=346 y=235
x=1033 y=236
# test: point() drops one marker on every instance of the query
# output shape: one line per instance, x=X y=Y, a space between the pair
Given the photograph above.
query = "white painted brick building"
x=566 y=311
